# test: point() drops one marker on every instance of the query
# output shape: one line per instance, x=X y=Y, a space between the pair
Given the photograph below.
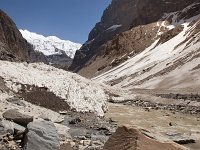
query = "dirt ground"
x=158 y=121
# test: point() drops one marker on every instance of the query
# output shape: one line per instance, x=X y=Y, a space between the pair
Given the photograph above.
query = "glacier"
x=50 y=45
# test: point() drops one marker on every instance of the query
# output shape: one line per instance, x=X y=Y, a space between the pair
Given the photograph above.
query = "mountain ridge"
x=169 y=63
x=50 y=45
x=126 y=15
x=51 y=49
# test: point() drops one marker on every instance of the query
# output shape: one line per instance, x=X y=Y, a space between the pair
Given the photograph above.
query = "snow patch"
x=114 y=27
x=80 y=93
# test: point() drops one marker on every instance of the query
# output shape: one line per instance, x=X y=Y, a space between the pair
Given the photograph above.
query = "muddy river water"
x=170 y=125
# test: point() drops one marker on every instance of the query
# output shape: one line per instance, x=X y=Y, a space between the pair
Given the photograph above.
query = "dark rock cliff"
x=13 y=46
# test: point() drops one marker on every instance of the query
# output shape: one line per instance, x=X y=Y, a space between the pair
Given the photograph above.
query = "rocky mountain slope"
x=126 y=29
x=13 y=46
x=171 y=62
x=57 y=52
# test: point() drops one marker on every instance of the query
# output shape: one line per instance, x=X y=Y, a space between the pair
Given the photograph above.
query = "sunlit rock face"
x=121 y=16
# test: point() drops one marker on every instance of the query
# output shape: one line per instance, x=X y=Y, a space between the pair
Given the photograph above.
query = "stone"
x=75 y=121
x=180 y=138
x=97 y=143
x=128 y=138
x=81 y=147
x=44 y=117
x=65 y=146
x=10 y=137
x=11 y=130
x=17 y=117
x=81 y=142
x=81 y=137
x=67 y=119
x=87 y=142
x=19 y=135
x=99 y=138
x=3 y=130
x=72 y=144
x=63 y=112
x=184 y=140
x=16 y=101
x=41 y=135
x=63 y=131
x=5 y=139
x=10 y=127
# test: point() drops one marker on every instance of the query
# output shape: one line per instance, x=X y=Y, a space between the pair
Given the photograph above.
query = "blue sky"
x=66 y=19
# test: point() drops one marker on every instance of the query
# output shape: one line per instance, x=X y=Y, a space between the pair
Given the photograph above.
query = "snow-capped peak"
x=50 y=45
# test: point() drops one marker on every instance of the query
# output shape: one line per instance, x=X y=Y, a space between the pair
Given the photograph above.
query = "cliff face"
x=121 y=16
x=13 y=46
x=130 y=13
x=164 y=55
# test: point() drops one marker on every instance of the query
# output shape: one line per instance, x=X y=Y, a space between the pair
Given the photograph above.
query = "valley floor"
x=176 y=126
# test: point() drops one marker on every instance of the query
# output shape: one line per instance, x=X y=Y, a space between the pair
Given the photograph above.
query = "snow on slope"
x=114 y=27
x=80 y=93
x=144 y=69
x=50 y=45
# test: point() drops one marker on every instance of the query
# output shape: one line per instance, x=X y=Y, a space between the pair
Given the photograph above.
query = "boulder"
x=75 y=121
x=63 y=131
x=127 y=138
x=41 y=135
x=180 y=138
x=66 y=146
x=10 y=127
x=15 y=100
x=17 y=117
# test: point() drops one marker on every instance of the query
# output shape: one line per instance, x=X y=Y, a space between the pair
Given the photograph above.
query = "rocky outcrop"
x=122 y=16
x=61 y=61
x=120 y=49
x=127 y=138
x=42 y=135
x=17 y=117
x=13 y=46
x=36 y=56
x=10 y=127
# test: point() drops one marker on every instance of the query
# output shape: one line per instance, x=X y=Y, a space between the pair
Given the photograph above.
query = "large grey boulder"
x=17 y=117
x=42 y=135
x=10 y=127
